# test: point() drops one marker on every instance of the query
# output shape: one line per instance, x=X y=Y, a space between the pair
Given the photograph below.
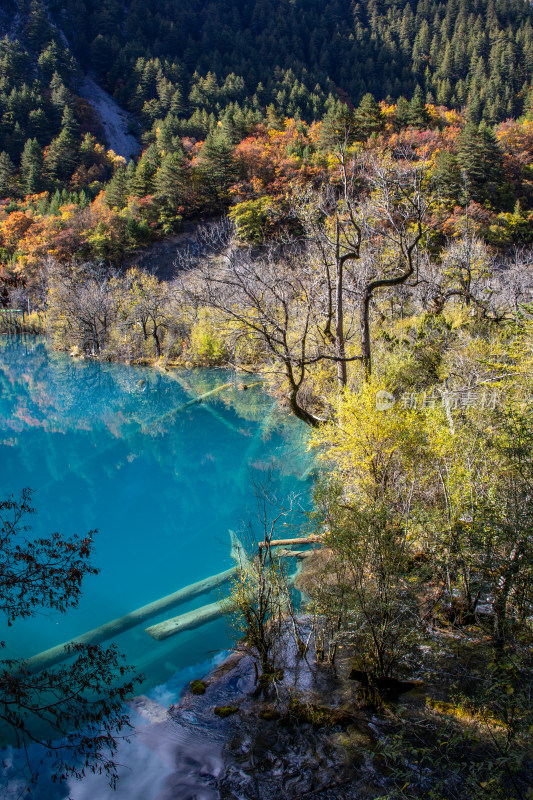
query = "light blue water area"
x=112 y=447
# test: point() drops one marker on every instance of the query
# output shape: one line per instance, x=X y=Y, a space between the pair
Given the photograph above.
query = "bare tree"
x=288 y=297
x=144 y=302
x=334 y=233
x=375 y=219
x=260 y=597
x=81 y=305
x=395 y=221
x=276 y=301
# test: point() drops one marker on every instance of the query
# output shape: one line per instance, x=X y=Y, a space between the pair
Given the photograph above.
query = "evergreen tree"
x=273 y=119
x=32 y=167
x=142 y=182
x=217 y=166
x=40 y=126
x=170 y=180
x=368 y=118
x=402 y=115
x=116 y=192
x=418 y=115
x=448 y=176
x=69 y=124
x=61 y=158
x=338 y=126
x=528 y=104
x=7 y=173
x=15 y=141
x=60 y=95
x=481 y=160
x=37 y=30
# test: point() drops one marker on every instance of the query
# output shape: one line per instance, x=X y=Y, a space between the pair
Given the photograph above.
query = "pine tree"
x=169 y=181
x=217 y=166
x=448 y=176
x=61 y=158
x=528 y=103
x=402 y=115
x=32 y=167
x=481 y=160
x=368 y=118
x=338 y=125
x=7 y=173
x=37 y=30
x=69 y=124
x=418 y=115
x=273 y=119
x=142 y=182
x=40 y=126
x=60 y=95
x=116 y=192
x=15 y=141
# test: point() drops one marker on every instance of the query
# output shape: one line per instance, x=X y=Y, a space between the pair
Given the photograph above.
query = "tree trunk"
x=499 y=625
x=342 y=375
x=157 y=342
x=300 y=412
x=364 y=322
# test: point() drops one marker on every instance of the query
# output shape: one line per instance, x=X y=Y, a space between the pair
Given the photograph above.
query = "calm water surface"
x=112 y=448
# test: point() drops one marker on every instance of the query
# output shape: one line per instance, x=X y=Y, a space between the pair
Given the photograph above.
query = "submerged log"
x=194 y=401
x=298 y=554
x=148 y=426
x=186 y=622
x=285 y=542
x=55 y=655
x=238 y=552
x=212 y=611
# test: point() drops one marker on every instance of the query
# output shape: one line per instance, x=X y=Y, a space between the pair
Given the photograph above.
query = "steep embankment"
x=115 y=121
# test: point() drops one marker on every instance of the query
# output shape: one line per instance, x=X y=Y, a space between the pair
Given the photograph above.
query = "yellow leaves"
x=433 y=112
x=315 y=132
x=366 y=443
x=207 y=346
x=14 y=227
x=115 y=159
x=516 y=137
x=452 y=118
x=68 y=211
x=387 y=110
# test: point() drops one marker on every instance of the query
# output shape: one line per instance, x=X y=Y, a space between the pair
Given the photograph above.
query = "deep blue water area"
x=122 y=450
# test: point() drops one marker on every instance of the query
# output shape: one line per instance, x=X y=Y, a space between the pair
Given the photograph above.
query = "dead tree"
x=274 y=300
x=395 y=221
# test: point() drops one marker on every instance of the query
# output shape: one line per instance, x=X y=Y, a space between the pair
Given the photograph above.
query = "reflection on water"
x=161 y=760
x=124 y=451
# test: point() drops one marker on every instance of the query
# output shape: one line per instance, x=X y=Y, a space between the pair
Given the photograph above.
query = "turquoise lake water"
x=110 y=447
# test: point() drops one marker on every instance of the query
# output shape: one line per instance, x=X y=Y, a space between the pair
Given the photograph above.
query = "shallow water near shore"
x=127 y=451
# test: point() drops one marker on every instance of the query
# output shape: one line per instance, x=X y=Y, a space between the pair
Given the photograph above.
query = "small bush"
x=225 y=711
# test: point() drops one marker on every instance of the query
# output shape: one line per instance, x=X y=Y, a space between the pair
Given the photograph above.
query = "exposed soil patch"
x=115 y=121
x=160 y=256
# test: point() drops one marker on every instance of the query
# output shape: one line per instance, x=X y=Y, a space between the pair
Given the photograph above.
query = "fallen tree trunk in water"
x=104 y=632
x=194 y=401
x=186 y=622
x=201 y=616
x=282 y=542
x=298 y=554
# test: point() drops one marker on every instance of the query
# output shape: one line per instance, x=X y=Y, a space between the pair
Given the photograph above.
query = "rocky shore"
x=303 y=735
